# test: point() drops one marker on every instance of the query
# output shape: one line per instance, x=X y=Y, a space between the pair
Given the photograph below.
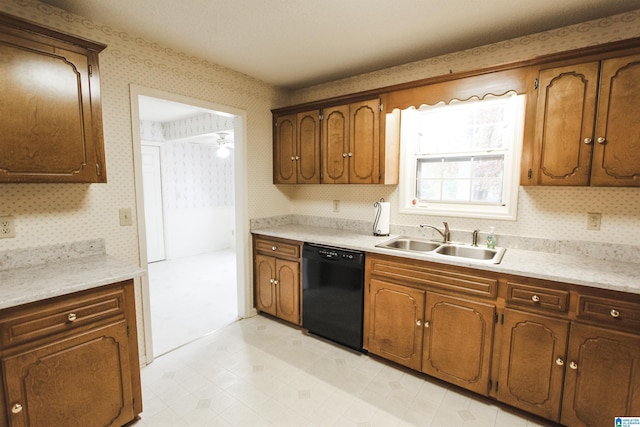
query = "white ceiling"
x=298 y=43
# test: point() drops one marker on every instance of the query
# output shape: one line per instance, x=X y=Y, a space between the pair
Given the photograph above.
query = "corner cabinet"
x=51 y=123
x=71 y=360
x=587 y=132
x=277 y=278
x=333 y=144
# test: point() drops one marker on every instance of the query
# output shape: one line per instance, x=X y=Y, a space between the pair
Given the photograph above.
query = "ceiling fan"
x=224 y=145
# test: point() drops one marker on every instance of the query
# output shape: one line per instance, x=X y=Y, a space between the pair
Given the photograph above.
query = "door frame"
x=242 y=236
x=160 y=149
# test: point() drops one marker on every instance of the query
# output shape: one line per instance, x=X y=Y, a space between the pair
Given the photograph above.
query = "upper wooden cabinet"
x=51 y=123
x=296 y=148
x=587 y=132
x=335 y=144
x=351 y=143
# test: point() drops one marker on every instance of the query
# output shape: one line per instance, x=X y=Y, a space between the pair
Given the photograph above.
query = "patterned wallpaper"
x=553 y=213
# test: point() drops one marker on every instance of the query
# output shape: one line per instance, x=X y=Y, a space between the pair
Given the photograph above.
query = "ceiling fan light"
x=223 y=152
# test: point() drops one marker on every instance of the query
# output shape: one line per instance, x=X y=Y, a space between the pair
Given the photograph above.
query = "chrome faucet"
x=474 y=238
x=446 y=234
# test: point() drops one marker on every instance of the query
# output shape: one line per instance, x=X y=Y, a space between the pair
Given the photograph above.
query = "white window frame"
x=507 y=210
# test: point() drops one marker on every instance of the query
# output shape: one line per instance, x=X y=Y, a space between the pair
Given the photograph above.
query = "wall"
x=58 y=213
x=552 y=213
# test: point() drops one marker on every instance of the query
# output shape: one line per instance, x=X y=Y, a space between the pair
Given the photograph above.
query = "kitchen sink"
x=449 y=250
x=472 y=252
x=410 y=244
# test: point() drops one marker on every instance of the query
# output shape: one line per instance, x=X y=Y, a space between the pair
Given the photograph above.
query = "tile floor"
x=191 y=297
x=259 y=372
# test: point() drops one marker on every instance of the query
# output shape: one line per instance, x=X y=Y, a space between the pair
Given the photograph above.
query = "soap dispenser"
x=491 y=238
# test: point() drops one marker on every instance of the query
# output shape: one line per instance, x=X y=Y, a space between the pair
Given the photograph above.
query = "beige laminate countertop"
x=578 y=270
x=34 y=283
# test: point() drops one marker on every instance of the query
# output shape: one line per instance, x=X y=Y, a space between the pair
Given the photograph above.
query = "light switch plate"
x=593 y=221
x=125 y=217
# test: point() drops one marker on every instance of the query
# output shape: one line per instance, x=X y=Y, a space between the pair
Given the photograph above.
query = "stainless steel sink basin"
x=410 y=244
x=472 y=252
x=450 y=250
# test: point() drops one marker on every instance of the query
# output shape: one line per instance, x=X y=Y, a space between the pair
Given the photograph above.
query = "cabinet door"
x=308 y=147
x=288 y=290
x=335 y=145
x=284 y=150
x=50 y=130
x=395 y=322
x=564 y=121
x=602 y=379
x=265 y=274
x=364 y=142
x=532 y=362
x=457 y=341
x=81 y=381
x=616 y=156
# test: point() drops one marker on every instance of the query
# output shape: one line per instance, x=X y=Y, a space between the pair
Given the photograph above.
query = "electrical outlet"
x=7 y=228
x=336 y=205
x=125 y=217
x=593 y=221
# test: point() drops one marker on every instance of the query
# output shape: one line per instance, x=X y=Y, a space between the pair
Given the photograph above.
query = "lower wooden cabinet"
x=566 y=353
x=602 y=379
x=531 y=371
x=277 y=278
x=458 y=336
x=71 y=361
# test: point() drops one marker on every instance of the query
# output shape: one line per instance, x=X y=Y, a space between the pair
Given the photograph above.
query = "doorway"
x=191 y=203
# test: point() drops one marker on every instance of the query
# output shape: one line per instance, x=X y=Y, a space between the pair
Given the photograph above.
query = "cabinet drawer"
x=49 y=317
x=609 y=311
x=275 y=247
x=537 y=297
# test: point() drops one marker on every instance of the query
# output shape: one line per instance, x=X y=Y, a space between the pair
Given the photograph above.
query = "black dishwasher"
x=333 y=294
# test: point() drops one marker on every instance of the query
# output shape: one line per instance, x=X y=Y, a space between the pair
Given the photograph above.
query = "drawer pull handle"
x=71 y=317
x=273 y=248
x=614 y=313
x=559 y=361
x=419 y=322
x=535 y=298
x=16 y=408
x=573 y=365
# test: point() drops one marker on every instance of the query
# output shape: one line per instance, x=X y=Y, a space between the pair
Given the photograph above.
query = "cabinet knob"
x=588 y=140
x=573 y=365
x=350 y=154
x=426 y=324
x=601 y=140
x=418 y=322
x=614 y=313
x=292 y=158
x=297 y=157
x=344 y=154
x=535 y=298
x=16 y=408
x=559 y=361
x=273 y=248
x=271 y=281
x=275 y=281
x=71 y=317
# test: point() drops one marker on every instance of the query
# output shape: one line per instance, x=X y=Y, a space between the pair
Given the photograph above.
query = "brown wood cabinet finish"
x=602 y=377
x=351 y=143
x=277 y=278
x=395 y=322
x=50 y=102
x=74 y=361
x=458 y=336
x=297 y=148
x=586 y=127
x=533 y=353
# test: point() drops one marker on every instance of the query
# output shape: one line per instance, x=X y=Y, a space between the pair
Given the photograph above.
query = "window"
x=462 y=158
